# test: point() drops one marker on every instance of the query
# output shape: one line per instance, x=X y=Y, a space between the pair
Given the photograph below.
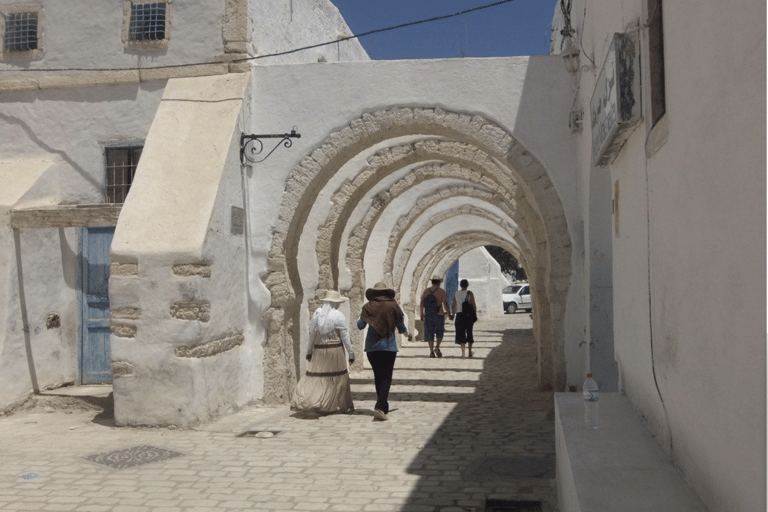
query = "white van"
x=516 y=296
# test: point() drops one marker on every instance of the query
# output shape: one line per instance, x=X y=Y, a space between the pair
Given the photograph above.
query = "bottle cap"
x=589 y=375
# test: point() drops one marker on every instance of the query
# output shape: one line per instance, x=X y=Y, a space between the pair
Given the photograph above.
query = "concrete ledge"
x=88 y=79
x=67 y=216
x=618 y=467
x=150 y=74
x=20 y=83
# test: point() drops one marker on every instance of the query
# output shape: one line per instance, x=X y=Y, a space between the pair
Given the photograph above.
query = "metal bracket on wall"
x=251 y=146
x=576 y=121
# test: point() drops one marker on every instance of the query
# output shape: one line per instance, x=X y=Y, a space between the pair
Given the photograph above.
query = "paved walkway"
x=463 y=433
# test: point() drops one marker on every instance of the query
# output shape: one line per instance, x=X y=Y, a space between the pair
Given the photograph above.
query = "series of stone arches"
x=435 y=156
x=466 y=210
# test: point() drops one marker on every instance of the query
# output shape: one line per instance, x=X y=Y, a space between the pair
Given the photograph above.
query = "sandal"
x=439 y=354
x=471 y=353
x=431 y=354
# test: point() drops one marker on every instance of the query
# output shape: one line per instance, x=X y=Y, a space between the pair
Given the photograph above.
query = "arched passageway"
x=399 y=192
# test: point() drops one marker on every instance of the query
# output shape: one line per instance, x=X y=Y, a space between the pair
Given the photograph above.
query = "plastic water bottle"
x=591 y=402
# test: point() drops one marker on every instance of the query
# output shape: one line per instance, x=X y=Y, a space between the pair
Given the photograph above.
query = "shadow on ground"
x=496 y=450
x=102 y=405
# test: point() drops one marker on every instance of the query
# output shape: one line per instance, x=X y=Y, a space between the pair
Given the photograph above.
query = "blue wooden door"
x=95 y=354
x=452 y=281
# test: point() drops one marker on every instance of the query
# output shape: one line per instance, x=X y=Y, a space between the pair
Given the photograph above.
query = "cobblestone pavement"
x=462 y=433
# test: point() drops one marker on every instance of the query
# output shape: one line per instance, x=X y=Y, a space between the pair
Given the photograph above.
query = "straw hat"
x=379 y=289
x=333 y=296
x=436 y=278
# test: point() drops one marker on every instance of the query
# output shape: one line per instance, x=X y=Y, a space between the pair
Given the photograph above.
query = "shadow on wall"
x=69 y=261
x=47 y=149
x=23 y=309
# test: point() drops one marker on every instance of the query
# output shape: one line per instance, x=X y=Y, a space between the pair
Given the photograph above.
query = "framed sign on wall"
x=615 y=107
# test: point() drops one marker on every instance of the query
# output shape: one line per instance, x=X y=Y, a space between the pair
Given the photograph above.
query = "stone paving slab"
x=462 y=431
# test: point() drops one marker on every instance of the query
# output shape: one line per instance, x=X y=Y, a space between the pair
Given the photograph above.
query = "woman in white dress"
x=324 y=388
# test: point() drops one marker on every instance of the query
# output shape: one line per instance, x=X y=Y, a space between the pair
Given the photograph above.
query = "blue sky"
x=520 y=27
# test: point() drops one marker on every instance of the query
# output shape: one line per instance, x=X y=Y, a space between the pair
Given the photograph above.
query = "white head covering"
x=327 y=318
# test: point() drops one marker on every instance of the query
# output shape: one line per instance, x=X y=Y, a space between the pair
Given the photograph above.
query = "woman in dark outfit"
x=464 y=319
x=383 y=316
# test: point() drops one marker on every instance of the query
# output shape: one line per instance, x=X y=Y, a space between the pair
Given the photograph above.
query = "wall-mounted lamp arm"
x=251 y=145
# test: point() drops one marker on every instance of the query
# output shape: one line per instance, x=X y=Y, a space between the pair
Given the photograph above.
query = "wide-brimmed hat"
x=436 y=278
x=333 y=296
x=379 y=289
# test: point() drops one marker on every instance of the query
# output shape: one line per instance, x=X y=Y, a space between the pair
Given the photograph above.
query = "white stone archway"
x=462 y=161
x=470 y=139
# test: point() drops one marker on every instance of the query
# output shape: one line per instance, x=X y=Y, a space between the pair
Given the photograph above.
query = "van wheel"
x=512 y=308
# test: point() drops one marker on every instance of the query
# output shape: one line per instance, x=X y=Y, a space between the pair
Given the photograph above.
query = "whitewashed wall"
x=179 y=362
x=485 y=281
x=276 y=26
x=689 y=256
x=49 y=289
x=90 y=35
x=66 y=118
x=67 y=129
x=324 y=97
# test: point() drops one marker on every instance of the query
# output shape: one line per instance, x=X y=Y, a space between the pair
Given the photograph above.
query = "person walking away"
x=434 y=307
x=324 y=388
x=465 y=309
x=383 y=316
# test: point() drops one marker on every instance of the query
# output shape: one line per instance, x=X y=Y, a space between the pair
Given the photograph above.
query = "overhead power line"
x=295 y=50
x=378 y=30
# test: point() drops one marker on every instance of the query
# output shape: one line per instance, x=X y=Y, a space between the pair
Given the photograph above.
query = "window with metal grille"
x=121 y=167
x=20 y=32
x=147 y=22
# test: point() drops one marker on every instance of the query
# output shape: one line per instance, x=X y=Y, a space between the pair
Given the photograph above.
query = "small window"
x=121 y=165
x=147 y=22
x=20 y=32
x=146 y=25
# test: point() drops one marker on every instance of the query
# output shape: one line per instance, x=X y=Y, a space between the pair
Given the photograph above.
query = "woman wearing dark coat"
x=464 y=319
x=383 y=317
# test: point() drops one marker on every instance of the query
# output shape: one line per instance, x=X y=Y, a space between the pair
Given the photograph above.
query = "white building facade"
x=674 y=216
x=80 y=92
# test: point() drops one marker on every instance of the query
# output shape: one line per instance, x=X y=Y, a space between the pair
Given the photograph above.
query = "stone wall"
x=177 y=284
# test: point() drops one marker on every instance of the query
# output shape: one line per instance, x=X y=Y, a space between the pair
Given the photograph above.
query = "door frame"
x=81 y=299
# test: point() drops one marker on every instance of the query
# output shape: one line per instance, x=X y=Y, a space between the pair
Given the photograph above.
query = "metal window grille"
x=147 y=22
x=121 y=168
x=20 y=32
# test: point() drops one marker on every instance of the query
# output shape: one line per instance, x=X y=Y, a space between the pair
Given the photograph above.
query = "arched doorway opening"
x=377 y=185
